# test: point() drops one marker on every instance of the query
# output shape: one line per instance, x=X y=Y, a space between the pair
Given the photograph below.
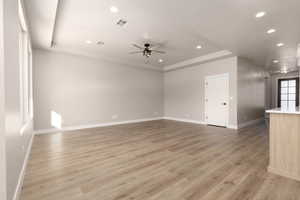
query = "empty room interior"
x=149 y=100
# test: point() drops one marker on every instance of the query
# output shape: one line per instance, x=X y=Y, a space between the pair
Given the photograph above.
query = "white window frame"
x=25 y=55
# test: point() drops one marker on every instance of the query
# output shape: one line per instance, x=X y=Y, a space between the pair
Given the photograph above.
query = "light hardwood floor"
x=163 y=160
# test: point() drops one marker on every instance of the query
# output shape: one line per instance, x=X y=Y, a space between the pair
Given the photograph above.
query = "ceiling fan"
x=146 y=50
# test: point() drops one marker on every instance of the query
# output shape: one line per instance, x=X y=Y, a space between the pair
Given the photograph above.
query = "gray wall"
x=251 y=91
x=184 y=89
x=88 y=91
x=274 y=85
x=16 y=143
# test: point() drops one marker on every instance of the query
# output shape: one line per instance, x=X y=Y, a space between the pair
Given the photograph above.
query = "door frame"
x=3 y=182
x=226 y=75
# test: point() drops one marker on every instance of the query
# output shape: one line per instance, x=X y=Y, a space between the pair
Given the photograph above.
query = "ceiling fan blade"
x=134 y=52
x=137 y=46
x=155 y=46
x=156 y=51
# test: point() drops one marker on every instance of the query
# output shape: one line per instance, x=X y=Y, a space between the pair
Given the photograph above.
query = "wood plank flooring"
x=163 y=160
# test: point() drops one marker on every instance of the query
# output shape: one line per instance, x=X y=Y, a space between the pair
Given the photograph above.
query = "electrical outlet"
x=115 y=116
x=155 y=113
x=187 y=115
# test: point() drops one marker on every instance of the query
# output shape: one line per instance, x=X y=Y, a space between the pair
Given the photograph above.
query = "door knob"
x=224 y=103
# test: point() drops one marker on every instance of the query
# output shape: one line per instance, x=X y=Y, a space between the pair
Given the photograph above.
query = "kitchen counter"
x=295 y=110
x=285 y=142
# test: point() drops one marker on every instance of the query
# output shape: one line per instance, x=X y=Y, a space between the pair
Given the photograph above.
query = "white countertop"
x=285 y=110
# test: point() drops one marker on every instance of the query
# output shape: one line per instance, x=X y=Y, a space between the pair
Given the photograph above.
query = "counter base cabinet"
x=285 y=145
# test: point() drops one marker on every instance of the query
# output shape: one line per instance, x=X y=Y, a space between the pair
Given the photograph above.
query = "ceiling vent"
x=121 y=22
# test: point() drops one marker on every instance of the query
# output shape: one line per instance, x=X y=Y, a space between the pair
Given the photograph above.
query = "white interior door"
x=217 y=100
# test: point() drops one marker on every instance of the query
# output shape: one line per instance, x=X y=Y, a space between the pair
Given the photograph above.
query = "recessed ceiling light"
x=199 y=47
x=270 y=31
x=160 y=60
x=260 y=14
x=284 y=69
x=88 y=41
x=280 y=44
x=114 y=9
x=275 y=61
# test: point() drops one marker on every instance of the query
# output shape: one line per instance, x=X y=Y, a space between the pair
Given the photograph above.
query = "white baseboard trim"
x=195 y=122
x=184 y=120
x=72 y=128
x=250 y=123
x=22 y=173
x=232 y=126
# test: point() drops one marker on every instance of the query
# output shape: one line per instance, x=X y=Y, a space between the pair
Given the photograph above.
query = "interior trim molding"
x=185 y=120
x=197 y=60
x=22 y=173
x=201 y=59
x=79 y=127
x=126 y=63
x=252 y=122
x=52 y=43
x=195 y=122
x=232 y=126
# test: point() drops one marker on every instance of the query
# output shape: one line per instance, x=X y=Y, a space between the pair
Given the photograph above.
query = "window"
x=288 y=92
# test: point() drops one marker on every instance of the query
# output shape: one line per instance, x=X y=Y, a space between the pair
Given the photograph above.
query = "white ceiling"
x=179 y=26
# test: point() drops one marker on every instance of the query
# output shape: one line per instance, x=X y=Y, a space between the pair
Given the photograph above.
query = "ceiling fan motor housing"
x=147 y=51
